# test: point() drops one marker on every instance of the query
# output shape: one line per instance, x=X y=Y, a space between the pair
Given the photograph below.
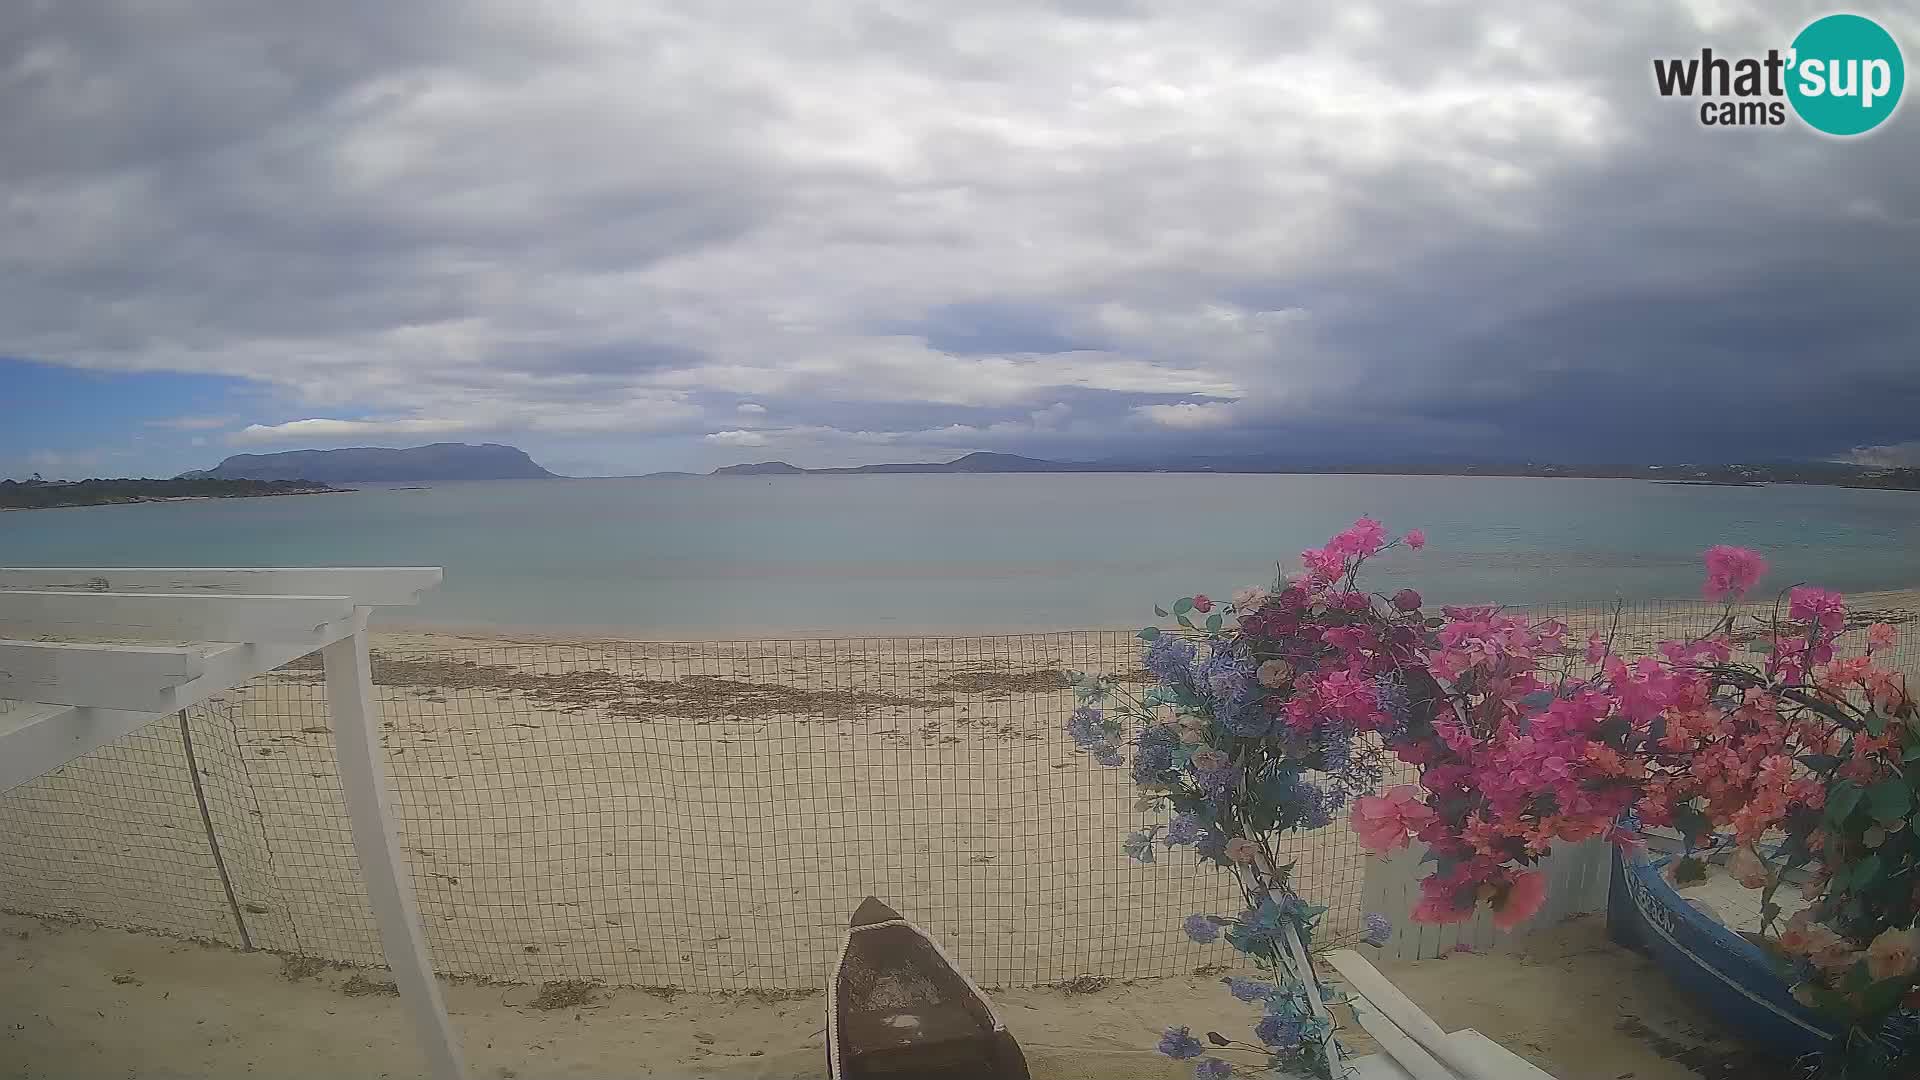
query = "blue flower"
x=1179 y=1044
x=1218 y=781
x=1275 y=1030
x=1212 y=1069
x=1379 y=929
x=1139 y=846
x=1203 y=929
x=1185 y=829
x=1248 y=989
x=1108 y=755
x=1087 y=727
x=1212 y=846
x=1153 y=756
x=1391 y=695
x=1170 y=659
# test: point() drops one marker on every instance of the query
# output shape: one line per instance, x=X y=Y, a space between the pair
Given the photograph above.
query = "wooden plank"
x=1394 y=1043
x=355 y=714
x=1397 y=1007
x=133 y=677
x=167 y=616
x=367 y=586
x=36 y=739
x=1490 y=1060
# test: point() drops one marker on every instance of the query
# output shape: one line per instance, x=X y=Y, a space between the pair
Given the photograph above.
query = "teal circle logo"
x=1845 y=75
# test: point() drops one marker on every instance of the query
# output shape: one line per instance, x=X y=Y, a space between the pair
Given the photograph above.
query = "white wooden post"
x=1302 y=963
x=355 y=715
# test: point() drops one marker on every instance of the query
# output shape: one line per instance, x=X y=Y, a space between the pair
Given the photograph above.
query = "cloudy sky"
x=632 y=235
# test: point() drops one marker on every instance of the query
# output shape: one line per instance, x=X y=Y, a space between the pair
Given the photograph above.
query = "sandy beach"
x=700 y=816
x=91 y=1002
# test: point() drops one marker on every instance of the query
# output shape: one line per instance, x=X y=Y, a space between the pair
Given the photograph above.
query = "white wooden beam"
x=368 y=586
x=1399 y=1009
x=36 y=739
x=167 y=616
x=355 y=713
x=133 y=677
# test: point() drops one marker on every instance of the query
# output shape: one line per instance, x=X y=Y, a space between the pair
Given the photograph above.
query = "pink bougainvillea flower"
x=1202 y=603
x=1596 y=648
x=1731 y=571
x=1416 y=539
x=1407 y=600
x=1387 y=822
x=1522 y=900
x=1438 y=905
x=1821 y=607
x=1881 y=636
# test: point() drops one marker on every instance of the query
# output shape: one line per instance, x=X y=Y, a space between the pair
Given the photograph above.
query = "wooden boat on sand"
x=898 y=1009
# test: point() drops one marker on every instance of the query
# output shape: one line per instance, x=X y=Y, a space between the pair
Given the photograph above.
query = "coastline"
x=179 y=498
x=414 y=635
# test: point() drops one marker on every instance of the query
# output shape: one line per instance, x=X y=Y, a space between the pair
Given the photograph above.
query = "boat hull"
x=898 y=1008
x=1728 y=976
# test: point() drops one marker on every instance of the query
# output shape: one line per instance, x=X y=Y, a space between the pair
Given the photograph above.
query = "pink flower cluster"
x=1514 y=756
x=1732 y=572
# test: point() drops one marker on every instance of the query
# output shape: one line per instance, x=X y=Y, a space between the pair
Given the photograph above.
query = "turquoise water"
x=952 y=554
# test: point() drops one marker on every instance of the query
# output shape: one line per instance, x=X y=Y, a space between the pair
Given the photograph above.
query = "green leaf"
x=1213 y=623
x=1692 y=824
x=1149 y=633
x=1820 y=762
x=1911 y=753
x=1889 y=800
x=1845 y=796
x=1865 y=873
x=1760 y=645
x=1876 y=723
x=1160 y=611
x=1856 y=978
x=1184 y=621
x=1183 y=605
x=1884 y=995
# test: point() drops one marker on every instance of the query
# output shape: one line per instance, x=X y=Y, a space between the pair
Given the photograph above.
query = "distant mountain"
x=760 y=468
x=1803 y=472
x=376 y=465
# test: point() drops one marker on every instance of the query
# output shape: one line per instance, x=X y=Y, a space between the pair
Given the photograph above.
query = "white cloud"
x=325 y=430
x=1188 y=415
x=1132 y=204
x=736 y=438
x=1894 y=455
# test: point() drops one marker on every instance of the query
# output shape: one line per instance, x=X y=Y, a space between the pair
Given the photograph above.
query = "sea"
x=733 y=557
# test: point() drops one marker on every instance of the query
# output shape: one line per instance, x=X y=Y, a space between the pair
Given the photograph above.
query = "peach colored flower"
x=1386 y=822
x=1523 y=899
x=1249 y=598
x=1881 y=636
x=1241 y=850
x=1275 y=674
x=1747 y=868
x=1894 y=952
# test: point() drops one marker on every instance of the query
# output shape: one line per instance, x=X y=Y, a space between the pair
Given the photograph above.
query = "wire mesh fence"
x=695 y=815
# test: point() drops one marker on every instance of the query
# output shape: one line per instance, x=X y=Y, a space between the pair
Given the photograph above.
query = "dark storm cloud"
x=1083 y=228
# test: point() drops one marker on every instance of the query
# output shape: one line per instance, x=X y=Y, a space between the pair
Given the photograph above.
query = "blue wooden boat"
x=1728 y=976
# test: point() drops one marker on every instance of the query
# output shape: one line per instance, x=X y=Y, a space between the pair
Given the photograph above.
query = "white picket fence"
x=1577 y=876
